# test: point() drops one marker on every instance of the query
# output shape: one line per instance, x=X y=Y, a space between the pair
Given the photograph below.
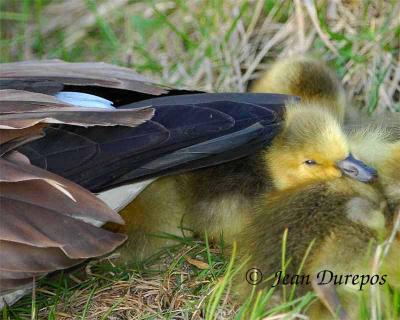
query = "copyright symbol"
x=254 y=276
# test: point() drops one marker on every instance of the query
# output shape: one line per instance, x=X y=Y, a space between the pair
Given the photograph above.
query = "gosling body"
x=332 y=227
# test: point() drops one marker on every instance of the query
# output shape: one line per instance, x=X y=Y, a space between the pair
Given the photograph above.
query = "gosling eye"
x=310 y=162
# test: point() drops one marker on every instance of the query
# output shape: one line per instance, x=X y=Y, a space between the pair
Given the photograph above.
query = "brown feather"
x=36 y=226
x=30 y=260
x=9 y=135
x=18 y=101
x=84 y=204
x=15 y=156
x=22 y=109
x=81 y=74
x=7 y=285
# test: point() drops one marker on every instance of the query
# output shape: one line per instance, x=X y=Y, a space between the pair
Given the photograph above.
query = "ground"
x=210 y=45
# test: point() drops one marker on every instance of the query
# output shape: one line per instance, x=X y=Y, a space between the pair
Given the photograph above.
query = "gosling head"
x=380 y=148
x=311 y=148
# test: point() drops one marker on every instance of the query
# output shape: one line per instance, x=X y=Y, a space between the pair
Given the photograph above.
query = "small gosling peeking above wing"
x=308 y=78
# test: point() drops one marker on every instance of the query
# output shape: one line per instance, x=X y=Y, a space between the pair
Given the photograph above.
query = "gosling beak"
x=357 y=169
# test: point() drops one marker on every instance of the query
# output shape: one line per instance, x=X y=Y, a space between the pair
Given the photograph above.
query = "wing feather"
x=31 y=261
x=78 y=74
x=47 y=223
x=53 y=152
x=24 y=182
x=44 y=228
x=22 y=109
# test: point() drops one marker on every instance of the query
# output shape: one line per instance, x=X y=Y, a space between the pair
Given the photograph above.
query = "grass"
x=215 y=46
x=188 y=281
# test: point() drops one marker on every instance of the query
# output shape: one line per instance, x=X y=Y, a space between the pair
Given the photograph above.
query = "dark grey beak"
x=357 y=169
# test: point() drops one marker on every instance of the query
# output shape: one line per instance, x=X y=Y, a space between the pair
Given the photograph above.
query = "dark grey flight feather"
x=120 y=155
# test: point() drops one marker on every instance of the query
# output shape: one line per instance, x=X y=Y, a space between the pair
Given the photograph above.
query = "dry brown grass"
x=222 y=45
x=169 y=287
